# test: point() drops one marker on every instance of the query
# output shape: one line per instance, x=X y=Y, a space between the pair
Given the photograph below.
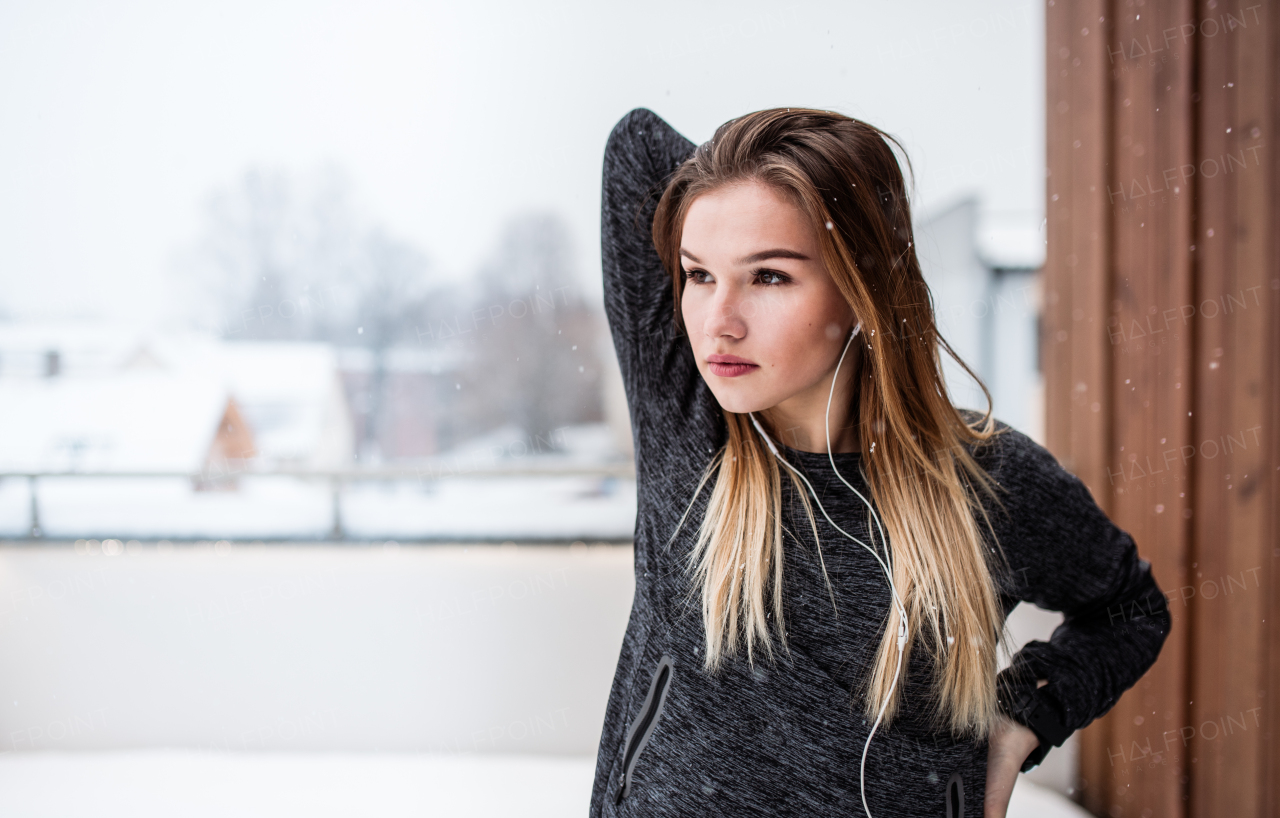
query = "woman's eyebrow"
x=777 y=252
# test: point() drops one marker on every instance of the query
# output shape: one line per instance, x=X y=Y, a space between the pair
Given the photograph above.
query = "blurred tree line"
x=285 y=256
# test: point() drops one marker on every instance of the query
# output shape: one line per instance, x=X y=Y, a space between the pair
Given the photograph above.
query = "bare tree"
x=287 y=257
x=275 y=255
x=535 y=363
x=390 y=302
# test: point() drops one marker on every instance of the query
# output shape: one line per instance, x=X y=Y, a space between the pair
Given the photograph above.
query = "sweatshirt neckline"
x=820 y=458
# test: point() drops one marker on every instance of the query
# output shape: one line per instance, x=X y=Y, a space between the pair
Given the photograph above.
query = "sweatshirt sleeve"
x=1064 y=554
x=640 y=156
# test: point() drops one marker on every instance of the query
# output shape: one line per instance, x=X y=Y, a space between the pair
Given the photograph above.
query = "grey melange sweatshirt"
x=787 y=738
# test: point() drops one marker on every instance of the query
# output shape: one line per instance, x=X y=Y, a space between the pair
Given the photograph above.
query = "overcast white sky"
x=119 y=118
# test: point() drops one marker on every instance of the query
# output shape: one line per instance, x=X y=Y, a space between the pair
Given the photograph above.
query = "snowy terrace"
x=493 y=491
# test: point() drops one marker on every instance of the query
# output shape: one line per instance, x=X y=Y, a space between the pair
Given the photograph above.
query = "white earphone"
x=885 y=563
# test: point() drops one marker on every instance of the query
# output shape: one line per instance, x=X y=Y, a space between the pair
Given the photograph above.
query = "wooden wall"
x=1162 y=360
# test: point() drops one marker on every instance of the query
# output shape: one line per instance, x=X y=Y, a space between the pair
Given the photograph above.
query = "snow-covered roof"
x=1003 y=240
x=288 y=392
x=135 y=421
x=1012 y=241
x=83 y=347
x=285 y=390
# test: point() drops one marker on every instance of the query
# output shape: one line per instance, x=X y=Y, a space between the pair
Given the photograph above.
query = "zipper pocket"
x=643 y=726
x=955 y=796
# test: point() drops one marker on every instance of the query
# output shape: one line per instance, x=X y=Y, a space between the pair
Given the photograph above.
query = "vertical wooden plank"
x=1076 y=287
x=1233 y=472
x=1271 y=723
x=1270 y=124
x=1075 y=347
x=1151 y=343
x=1055 y=349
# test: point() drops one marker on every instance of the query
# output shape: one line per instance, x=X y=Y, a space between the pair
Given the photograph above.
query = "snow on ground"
x=291 y=508
x=163 y=783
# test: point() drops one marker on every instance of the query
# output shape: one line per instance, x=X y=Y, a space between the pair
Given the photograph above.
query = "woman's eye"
x=769 y=278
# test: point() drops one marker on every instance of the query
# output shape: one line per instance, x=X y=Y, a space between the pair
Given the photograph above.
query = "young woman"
x=825 y=547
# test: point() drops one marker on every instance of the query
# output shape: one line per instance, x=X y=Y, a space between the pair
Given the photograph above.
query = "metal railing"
x=337 y=479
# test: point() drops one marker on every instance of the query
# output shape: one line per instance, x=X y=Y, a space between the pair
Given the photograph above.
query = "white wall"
x=310 y=647
x=1012 y=372
x=958 y=282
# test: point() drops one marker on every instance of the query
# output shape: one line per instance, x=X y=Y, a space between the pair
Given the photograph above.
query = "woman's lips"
x=730 y=370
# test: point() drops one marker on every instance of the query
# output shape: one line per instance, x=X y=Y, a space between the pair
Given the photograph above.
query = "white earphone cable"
x=885 y=563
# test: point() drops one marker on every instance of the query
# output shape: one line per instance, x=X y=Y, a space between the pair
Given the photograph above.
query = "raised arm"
x=641 y=154
x=1066 y=555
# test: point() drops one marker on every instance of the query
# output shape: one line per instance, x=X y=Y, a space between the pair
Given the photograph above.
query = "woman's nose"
x=725 y=316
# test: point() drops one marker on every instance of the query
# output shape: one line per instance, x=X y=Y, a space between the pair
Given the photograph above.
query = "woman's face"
x=763 y=316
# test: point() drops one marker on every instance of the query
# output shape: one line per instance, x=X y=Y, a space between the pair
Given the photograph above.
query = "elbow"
x=1165 y=621
x=1155 y=634
x=1159 y=621
x=1157 y=602
x=1162 y=623
x=637 y=119
x=630 y=128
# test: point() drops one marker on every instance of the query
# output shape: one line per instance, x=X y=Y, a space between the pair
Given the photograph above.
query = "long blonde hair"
x=843 y=175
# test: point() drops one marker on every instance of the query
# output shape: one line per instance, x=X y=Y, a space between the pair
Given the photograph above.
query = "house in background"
x=128 y=422
x=293 y=399
x=113 y=398
x=403 y=400
x=984 y=275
